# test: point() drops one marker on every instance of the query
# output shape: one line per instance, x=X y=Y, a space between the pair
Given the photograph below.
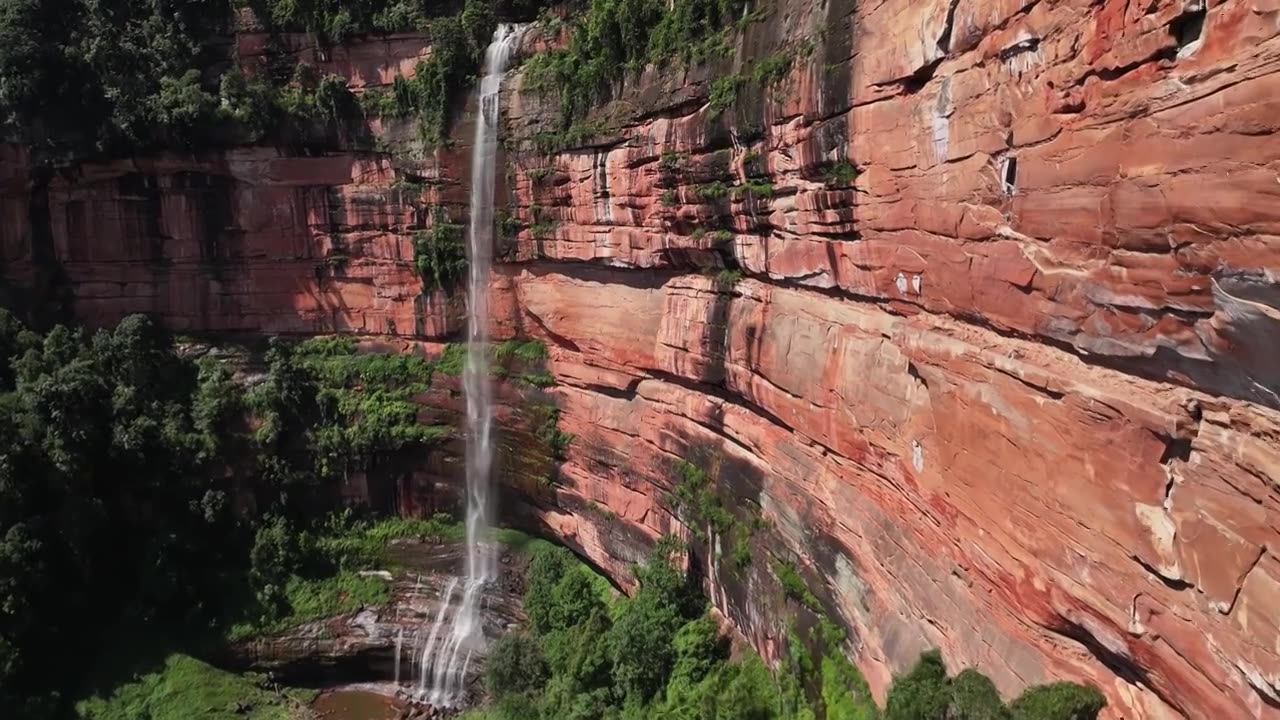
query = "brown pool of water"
x=355 y=705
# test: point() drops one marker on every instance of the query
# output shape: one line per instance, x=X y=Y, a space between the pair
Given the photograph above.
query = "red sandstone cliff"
x=1012 y=394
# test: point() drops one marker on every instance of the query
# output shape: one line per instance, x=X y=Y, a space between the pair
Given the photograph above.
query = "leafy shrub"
x=841 y=174
x=547 y=429
x=721 y=238
x=716 y=190
x=771 y=69
x=974 y=697
x=756 y=187
x=728 y=277
x=276 y=556
x=574 y=597
x=539 y=379
x=640 y=644
x=515 y=665
x=699 y=648
x=924 y=693
x=614 y=37
x=794 y=586
x=453 y=359
x=1059 y=701
x=724 y=93
x=547 y=567
x=527 y=350
x=439 y=253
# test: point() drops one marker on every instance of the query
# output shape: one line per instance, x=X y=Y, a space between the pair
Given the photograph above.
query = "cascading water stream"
x=448 y=652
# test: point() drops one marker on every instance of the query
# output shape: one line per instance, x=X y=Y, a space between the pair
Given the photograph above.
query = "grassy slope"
x=186 y=688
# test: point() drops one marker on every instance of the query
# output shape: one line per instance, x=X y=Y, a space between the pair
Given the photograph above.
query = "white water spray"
x=399 y=647
x=447 y=654
x=430 y=650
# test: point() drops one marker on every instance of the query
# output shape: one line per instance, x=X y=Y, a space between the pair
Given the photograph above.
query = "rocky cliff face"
x=1008 y=390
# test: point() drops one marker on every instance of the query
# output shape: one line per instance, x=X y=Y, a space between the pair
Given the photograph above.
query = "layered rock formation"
x=1011 y=391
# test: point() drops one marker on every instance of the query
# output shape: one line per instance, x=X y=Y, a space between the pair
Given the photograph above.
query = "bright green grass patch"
x=316 y=598
x=342 y=546
x=360 y=545
x=186 y=689
x=453 y=359
x=524 y=350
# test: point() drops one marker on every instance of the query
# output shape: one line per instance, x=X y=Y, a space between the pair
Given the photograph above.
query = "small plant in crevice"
x=506 y=226
x=724 y=93
x=538 y=175
x=529 y=350
x=541 y=379
x=771 y=69
x=728 y=277
x=721 y=239
x=542 y=224
x=574 y=136
x=439 y=253
x=669 y=197
x=711 y=191
x=840 y=175
x=794 y=586
x=696 y=498
x=547 y=429
x=755 y=187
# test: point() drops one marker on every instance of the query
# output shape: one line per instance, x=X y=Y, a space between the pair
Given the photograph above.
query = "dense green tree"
x=699 y=649
x=974 y=697
x=515 y=665
x=1058 y=701
x=546 y=568
x=217 y=408
x=923 y=693
x=574 y=599
x=640 y=644
x=276 y=555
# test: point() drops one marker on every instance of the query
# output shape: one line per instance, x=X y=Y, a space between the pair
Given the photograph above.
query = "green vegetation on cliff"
x=141 y=490
x=658 y=655
x=440 y=254
x=614 y=37
x=80 y=79
x=185 y=688
x=303 y=571
x=439 y=82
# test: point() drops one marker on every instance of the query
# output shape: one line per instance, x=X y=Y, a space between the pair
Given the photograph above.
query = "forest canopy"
x=143 y=491
x=81 y=78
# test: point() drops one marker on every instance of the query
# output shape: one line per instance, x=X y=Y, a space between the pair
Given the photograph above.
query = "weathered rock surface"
x=1012 y=391
x=1025 y=512
x=363 y=644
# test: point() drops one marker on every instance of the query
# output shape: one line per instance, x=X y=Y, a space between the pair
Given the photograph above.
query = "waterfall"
x=447 y=654
x=399 y=646
x=429 y=654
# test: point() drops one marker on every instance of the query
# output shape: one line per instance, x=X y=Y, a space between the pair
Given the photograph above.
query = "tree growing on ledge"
x=439 y=253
